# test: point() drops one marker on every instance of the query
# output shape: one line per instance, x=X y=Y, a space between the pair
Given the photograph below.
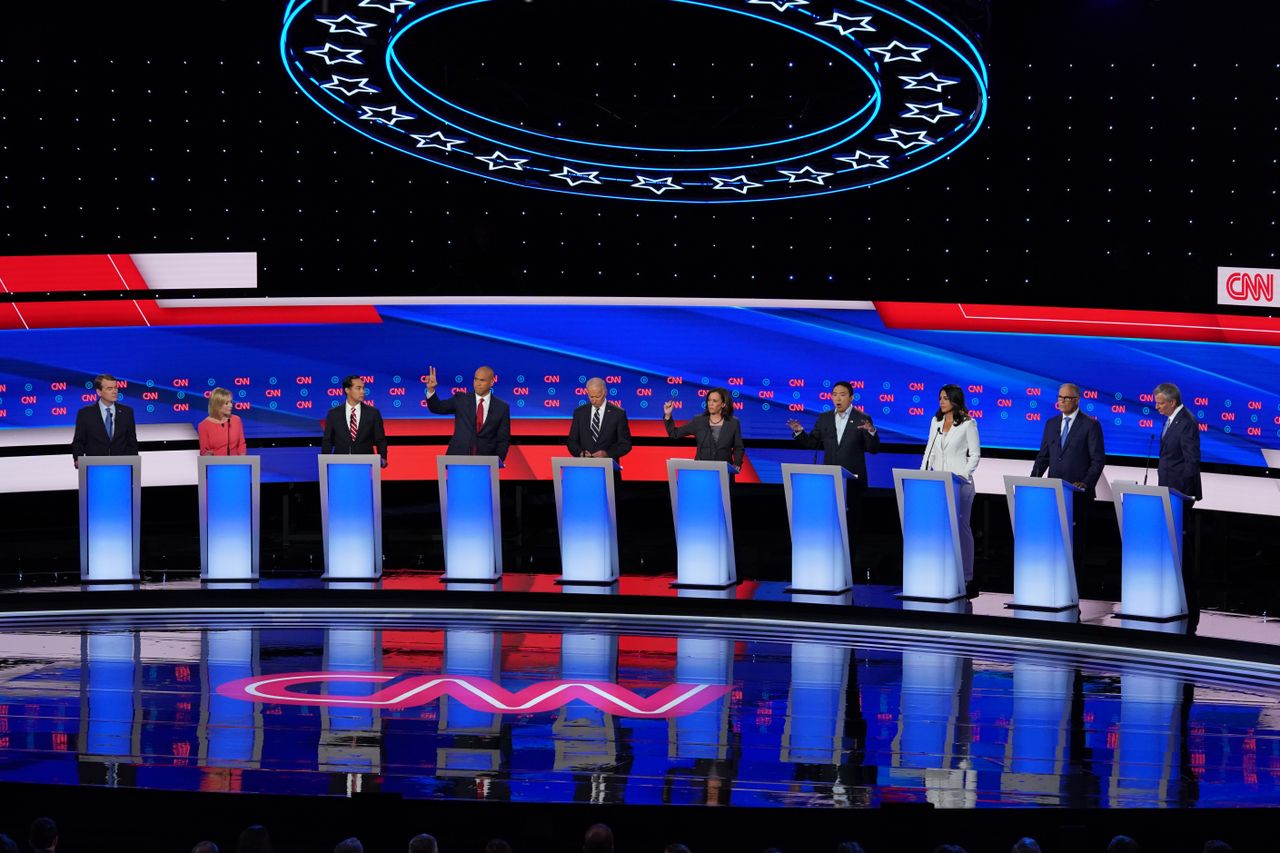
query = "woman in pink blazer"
x=222 y=433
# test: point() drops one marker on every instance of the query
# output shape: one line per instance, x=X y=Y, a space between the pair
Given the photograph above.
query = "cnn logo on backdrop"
x=1247 y=286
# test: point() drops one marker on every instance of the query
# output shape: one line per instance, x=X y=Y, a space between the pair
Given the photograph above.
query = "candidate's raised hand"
x=431 y=379
x=667 y=408
x=795 y=426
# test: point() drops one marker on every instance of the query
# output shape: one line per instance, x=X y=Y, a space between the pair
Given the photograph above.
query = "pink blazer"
x=214 y=438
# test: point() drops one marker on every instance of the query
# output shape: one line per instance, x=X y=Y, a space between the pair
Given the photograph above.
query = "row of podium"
x=1150 y=520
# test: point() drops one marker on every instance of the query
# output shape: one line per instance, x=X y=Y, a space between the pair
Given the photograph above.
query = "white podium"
x=816 y=499
x=110 y=518
x=704 y=524
x=928 y=506
x=471 y=518
x=586 y=514
x=351 y=516
x=229 y=487
x=1150 y=552
x=1044 y=575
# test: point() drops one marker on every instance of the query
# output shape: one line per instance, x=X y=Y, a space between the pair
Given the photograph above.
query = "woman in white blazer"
x=953 y=446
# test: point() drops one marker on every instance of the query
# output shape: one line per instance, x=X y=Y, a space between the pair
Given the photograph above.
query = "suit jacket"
x=90 y=437
x=1080 y=460
x=495 y=435
x=371 y=436
x=850 y=452
x=729 y=448
x=615 y=432
x=958 y=449
x=1179 y=466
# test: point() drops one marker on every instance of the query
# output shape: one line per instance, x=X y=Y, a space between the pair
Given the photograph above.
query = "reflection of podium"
x=1044 y=576
x=351 y=516
x=819 y=528
x=928 y=503
x=588 y=521
x=229 y=488
x=471 y=518
x=1151 y=552
x=110 y=518
x=704 y=524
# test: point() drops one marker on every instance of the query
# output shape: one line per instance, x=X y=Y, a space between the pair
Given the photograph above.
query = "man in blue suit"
x=482 y=422
x=1072 y=450
x=105 y=427
x=1179 y=468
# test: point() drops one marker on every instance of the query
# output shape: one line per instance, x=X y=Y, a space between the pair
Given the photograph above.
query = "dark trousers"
x=853 y=515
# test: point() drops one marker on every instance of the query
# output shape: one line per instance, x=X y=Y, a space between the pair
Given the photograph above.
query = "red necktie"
x=354 y=426
x=479 y=415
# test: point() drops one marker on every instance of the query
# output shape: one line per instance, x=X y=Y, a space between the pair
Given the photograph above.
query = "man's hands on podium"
x=594 y=454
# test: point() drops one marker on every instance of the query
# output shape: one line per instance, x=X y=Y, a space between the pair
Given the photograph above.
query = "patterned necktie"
x=1066 y=428
x=595 y=427
x=354 y=426
x=111 y=424
x=479 y=414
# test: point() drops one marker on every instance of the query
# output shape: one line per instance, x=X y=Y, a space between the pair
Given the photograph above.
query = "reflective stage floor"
x=544 y=708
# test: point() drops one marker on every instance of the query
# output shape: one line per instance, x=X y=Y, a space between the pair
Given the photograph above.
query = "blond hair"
x=217 y=397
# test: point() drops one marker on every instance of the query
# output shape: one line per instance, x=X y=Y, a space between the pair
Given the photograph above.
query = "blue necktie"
x=1066 y=428
x=111 y=425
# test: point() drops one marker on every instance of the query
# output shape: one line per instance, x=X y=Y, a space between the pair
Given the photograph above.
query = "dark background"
x=1131 y=148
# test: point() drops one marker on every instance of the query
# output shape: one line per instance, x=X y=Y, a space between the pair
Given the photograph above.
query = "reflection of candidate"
x=105 y=427
x=716 y=431
x=599 y=430
x=354 y=427
x=222 y=433
x=953 y=446
x=1071 y=449
x=845 y=436
x=481 y=422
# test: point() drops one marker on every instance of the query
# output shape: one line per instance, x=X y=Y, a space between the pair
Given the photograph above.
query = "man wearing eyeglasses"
x=1072 y=450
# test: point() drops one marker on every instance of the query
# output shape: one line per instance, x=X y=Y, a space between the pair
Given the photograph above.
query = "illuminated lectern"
x=1150 y=551
x=816 y=514
x=704 y=524
x=351 y=516
x=471 y=518
x=110 y=518
x=229 y=487
x=1044 y=574
x=928 y=505
x=586 y=510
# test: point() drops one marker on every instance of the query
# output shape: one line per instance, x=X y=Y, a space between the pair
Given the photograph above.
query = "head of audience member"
x=423 y=843
x=254 y=839
x=7 y=844
x=349 y=845
x=483 y=380
x=1068 y=398
x=719 y=403
x=599 y=839
x=1168 y=398
x=597 y=391
x=219 y=404
x=948 y=848
x=108 y=390
x=842 y=396
x=1217 y=847
x=1025 y=845
x=849 y=847
x=354 y=388
x=205 y=847
x=497 y=845
x=43 y=835
x=675 y=847
x=1123 y=844
x=951 y=402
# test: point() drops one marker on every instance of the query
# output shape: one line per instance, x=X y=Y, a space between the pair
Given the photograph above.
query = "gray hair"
x=1075 y=389
x=595 y=380
x=1170 y=392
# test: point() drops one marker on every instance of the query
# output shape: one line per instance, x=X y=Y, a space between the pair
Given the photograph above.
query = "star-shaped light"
x=739 y=184
x=658 y=185
x=932 y=113
x=350 y=86
x=780 y=5
x=896 y=136
x=896 y=51
x=930 y=82
x=498 y=160
x=386 y=115
x=863 y=160
x=574 y=177
x=807 y=175
x=334 y=55
x=346 y=24
x=389 y=6
x=436 y=140
x=856 y=23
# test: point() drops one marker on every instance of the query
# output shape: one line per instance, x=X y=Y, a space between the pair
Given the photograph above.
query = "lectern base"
x=728 y=585
x=1041 y=608
x=904 y=597
x=795 y=590
x=1149 y=618
x=253 y=581
x=447 y=579
x=110 y=581
x=571 y=582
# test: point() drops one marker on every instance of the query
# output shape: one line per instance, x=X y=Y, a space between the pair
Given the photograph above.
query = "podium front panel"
x=351 y=515
x=1043 y=562
x=1150 y=551
x=819 y=528
x=932 y=568
x=471 y=517
x=703 y=520
x=229 y=526
x=585 y=511
x=110 y=521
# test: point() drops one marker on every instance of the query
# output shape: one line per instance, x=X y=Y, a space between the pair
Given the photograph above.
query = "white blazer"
x=955 y=450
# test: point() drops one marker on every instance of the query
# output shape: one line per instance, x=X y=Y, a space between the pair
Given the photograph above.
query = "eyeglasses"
x=1060 y=397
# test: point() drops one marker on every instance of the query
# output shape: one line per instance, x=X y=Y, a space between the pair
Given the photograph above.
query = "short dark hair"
x=205 y=847
x=497 y=845
x=848 y=386
x=1028 y=845
x=422 y=843
x=349 y=845
x=100 y=378
x=43 y=834
x=849 y=847
x=348 y=381
x=727 y=411
x=7 y=844
x=1123 y=844
x=599 y=839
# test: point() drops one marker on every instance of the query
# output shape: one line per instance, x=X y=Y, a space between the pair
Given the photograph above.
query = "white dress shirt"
x=842 y=421
x=356 y=410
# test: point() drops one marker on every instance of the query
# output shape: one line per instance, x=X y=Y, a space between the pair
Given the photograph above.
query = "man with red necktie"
x=354 y=427
x=481 y=422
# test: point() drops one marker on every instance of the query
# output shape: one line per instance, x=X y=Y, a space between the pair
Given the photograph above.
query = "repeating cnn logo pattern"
x=479 y=694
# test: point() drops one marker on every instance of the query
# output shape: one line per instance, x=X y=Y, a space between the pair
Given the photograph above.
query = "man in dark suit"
x=599 y=430
x=106 y=427
x=1179 y=468
x=481 y=422
x=354 y=427
x=845 y=435
x=1072 y=450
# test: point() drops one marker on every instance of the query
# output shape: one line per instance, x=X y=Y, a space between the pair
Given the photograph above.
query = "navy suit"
x=1179 y=466
x=495 y=434
x=90 y=438
x=1080 y=460
x=371 y=435
x=615 y=432
x=850 y=454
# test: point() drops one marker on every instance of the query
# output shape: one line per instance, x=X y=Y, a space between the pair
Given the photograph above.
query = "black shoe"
x=971 y=589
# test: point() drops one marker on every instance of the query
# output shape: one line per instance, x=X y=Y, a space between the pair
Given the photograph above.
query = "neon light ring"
x=927 y=84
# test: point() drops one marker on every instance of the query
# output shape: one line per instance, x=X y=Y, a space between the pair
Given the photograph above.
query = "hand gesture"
x=667 y=408
x=431 y=379
x=866 y=426
x=794 y=425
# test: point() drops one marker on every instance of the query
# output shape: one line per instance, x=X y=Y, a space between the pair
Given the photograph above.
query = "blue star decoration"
x=498 y=160
x=932 y=113
x=807 y=175
x=857 y=24
x=350 y=86
x=346 y=24
x=863 y=160
x=389 y=6
x=658 y=185
x=386 y=115
x=896 y=136
x=343 y=54
x=436 y=140
x=780 y=5
x=739 y=184
x=896 y=51
x=574 y=178
x=930 y=82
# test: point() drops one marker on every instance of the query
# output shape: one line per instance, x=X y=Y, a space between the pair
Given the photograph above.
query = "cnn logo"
x=1251 y=286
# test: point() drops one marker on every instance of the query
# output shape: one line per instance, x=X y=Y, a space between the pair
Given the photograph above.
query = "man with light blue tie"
x=105 y=427
x=1072 y=450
